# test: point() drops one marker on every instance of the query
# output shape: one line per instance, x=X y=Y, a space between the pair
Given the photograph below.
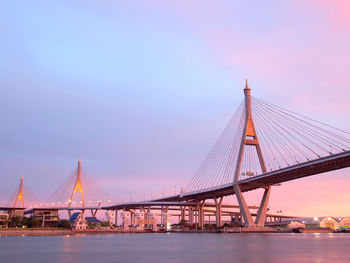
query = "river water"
x=178 y=247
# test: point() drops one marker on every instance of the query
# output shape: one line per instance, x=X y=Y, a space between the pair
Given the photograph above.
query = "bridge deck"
x=321 y=165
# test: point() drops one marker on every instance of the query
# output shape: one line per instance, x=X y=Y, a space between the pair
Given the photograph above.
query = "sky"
x=140 y=90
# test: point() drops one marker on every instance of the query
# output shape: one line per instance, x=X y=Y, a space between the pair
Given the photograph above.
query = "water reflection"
x=178 y=247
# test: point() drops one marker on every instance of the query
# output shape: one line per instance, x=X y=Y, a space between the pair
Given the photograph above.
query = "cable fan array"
x=218 y=166
x=92 y=191
x=286 y=139
x=29 y=198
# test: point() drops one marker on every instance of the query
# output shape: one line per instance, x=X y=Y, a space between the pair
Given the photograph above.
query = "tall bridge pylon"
x=78 y=187
x=19 y=195
x=250 y=139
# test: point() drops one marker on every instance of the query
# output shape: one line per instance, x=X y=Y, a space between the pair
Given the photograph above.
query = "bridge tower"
x=249 y=137
x=78 y=187
x=19 y=196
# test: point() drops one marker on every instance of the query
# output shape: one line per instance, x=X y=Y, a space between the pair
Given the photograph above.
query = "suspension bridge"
x=262 y=145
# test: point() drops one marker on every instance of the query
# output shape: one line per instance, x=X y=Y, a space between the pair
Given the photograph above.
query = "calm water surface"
x=180 y=247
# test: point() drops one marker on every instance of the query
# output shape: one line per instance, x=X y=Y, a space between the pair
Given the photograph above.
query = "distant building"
x=13 y=214
x=4 y=217
x=304 y=222
x=80 y=222
x=46 y=217
x=325 y=222
x=344 y=222
x=330 y=222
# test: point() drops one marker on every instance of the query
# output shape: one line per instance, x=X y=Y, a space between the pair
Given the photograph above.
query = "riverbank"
x=69 y=232
x=35 y=232
x=62 y=232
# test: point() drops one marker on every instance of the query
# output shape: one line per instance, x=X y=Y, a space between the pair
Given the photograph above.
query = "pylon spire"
x=19 y=197
x=246 y=84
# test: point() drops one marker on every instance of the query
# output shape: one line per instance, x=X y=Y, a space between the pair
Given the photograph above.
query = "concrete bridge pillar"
x=261 y=216
x=132 y=217
x=165 y=216
x=247 y=216
x=190 y=216
x=125 y=220
x=162 y=221
x=116 y=218
x=183 y=211
x=201 y=219
x=218 y=210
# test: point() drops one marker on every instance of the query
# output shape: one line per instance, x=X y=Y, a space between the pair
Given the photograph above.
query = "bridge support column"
x=132 y=217
x=196 y=212
x=183 y=210
x=247 y=216
x=201 y=214
x=261 y=216
x=125 y=221
x=190 y=215
x=116 y=218
x=93 y=212
x=165 y=217
x=218 y=210
x=162 y=216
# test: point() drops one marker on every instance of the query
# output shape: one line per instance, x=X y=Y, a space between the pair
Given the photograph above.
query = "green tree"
x=64 y=224
x=16 y=221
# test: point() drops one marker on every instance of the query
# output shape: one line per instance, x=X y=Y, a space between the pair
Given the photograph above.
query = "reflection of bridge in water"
x=261 y=146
